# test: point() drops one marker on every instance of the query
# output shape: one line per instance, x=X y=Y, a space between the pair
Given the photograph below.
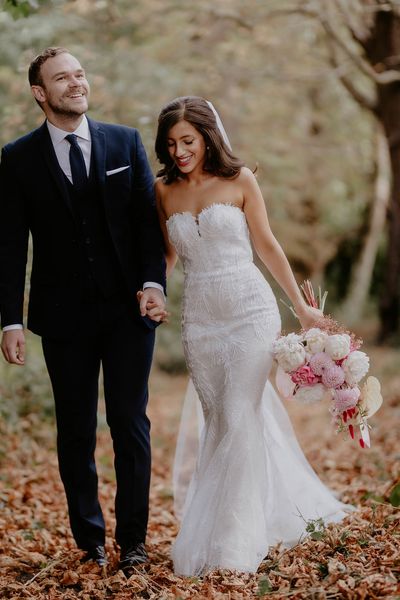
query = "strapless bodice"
x=215 y=241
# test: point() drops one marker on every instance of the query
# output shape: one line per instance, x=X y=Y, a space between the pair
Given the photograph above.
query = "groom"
x=84 y=190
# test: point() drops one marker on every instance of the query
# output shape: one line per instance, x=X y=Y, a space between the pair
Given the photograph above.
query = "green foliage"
x=372 y=496
x=21 y=8
x=394 y=497
x=264 y=586
x=323 y=569
x=316 y=529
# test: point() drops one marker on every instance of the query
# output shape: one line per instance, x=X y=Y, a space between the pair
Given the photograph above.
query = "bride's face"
x=186 y=147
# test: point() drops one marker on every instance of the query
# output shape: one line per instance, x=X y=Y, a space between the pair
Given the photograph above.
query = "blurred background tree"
x=303 y=89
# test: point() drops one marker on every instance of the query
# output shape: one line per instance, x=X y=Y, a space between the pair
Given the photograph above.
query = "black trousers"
x=109 y=335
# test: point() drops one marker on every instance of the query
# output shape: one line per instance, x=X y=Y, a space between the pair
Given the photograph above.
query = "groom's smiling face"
x=64 y=90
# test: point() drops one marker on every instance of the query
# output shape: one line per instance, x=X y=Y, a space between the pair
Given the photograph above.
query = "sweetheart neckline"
x=203 y=210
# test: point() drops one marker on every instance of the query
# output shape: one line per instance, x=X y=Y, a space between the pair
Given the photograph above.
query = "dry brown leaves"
x=358 y=559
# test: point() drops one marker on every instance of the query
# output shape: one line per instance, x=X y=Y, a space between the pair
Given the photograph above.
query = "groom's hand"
x=13 y=346
x=152 y=304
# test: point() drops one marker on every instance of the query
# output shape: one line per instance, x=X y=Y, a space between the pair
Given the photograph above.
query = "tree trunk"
x=390 y=297
x=383 y=50
x=353 y=306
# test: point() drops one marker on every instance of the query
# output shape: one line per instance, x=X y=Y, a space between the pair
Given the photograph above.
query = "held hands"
x=152 y=305
x=13 y=346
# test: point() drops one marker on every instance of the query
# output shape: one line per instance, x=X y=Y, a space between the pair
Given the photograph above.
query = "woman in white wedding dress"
x=252 y=486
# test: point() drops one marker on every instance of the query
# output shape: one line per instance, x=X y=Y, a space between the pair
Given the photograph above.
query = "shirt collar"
x=57 y=135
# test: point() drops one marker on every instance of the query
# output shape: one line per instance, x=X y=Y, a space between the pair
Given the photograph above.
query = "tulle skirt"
x=243 y=483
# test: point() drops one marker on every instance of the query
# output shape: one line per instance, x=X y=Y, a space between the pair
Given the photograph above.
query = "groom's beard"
x=65 y=107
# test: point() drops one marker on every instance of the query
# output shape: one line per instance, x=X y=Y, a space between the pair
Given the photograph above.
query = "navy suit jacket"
x=34 y=198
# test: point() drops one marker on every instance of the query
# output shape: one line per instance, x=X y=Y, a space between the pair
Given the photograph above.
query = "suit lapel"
x=52 y=164
x=98 y=154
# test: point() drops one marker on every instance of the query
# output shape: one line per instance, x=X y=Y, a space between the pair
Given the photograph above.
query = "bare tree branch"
x=358 y=31
x=384 y=78
x=232 y=15
x=362 y=99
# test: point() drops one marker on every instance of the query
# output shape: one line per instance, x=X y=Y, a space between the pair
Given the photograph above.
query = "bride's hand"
x=308 y=315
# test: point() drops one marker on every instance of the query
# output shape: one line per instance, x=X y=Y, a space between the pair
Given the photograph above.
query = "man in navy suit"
x=84 y=190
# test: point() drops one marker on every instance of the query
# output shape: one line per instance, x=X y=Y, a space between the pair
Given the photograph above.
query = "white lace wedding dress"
x=252 y=486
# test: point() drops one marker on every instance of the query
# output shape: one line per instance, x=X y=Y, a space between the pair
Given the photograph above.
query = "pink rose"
x=305 y=376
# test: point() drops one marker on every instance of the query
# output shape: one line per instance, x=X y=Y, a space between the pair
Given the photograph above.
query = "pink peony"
x=319 y=362
x=345 y=398
x=304 y=376
x=333 y=376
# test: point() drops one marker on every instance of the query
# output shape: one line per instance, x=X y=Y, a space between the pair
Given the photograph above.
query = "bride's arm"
x=170 y=254
x=269 y=249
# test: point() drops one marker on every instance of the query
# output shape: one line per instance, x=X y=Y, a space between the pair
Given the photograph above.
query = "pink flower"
x=345 y=398
x=304 y=376
x=333 y=376
x=319 y=362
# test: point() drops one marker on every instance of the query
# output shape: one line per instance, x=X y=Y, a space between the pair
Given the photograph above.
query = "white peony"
x=285 y=341
x=289 y=352
x=338 y=345
x=315 y=339
x=355 y=367
x=308 y=394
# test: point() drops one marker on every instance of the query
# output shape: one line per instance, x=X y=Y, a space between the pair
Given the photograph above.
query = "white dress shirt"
x=61 y=145
x=61 y=148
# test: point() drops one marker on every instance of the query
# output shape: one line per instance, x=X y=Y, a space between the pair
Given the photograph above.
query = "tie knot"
x=72 y=138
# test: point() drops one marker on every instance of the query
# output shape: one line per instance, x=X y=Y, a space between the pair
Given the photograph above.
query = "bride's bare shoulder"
x=159 y=186
x=164 y=188
x=246 y=175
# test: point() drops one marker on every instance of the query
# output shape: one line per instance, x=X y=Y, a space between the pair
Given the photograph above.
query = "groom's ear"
x=38 y=93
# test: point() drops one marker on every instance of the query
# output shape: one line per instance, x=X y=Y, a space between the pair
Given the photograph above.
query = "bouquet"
x=326 y=361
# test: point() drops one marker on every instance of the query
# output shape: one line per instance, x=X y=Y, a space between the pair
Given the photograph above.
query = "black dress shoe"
x=98 y=554
x=132 y=556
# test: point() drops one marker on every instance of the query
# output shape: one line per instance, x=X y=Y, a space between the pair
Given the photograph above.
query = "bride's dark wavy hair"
x=219 y=160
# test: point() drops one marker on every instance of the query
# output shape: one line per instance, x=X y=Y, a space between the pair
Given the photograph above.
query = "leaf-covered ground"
x=358 y=559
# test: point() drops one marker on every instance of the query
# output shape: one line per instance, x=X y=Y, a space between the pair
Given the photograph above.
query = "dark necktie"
x=77 y=162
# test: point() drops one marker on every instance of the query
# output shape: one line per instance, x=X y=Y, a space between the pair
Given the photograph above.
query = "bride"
x=252 y=486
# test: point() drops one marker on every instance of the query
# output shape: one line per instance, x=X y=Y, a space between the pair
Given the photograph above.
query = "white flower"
x=371 y=397
x=355 y=367
x=284 y=383
x=338 y=345
x=289 y=352
x=285 y=341
x=315 y=339
x=292 y=359
x=308 y=394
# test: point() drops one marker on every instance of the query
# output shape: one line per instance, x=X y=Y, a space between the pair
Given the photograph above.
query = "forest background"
x=309 y=92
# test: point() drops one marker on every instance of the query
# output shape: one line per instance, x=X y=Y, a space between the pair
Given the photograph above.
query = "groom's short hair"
x=34 y=75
